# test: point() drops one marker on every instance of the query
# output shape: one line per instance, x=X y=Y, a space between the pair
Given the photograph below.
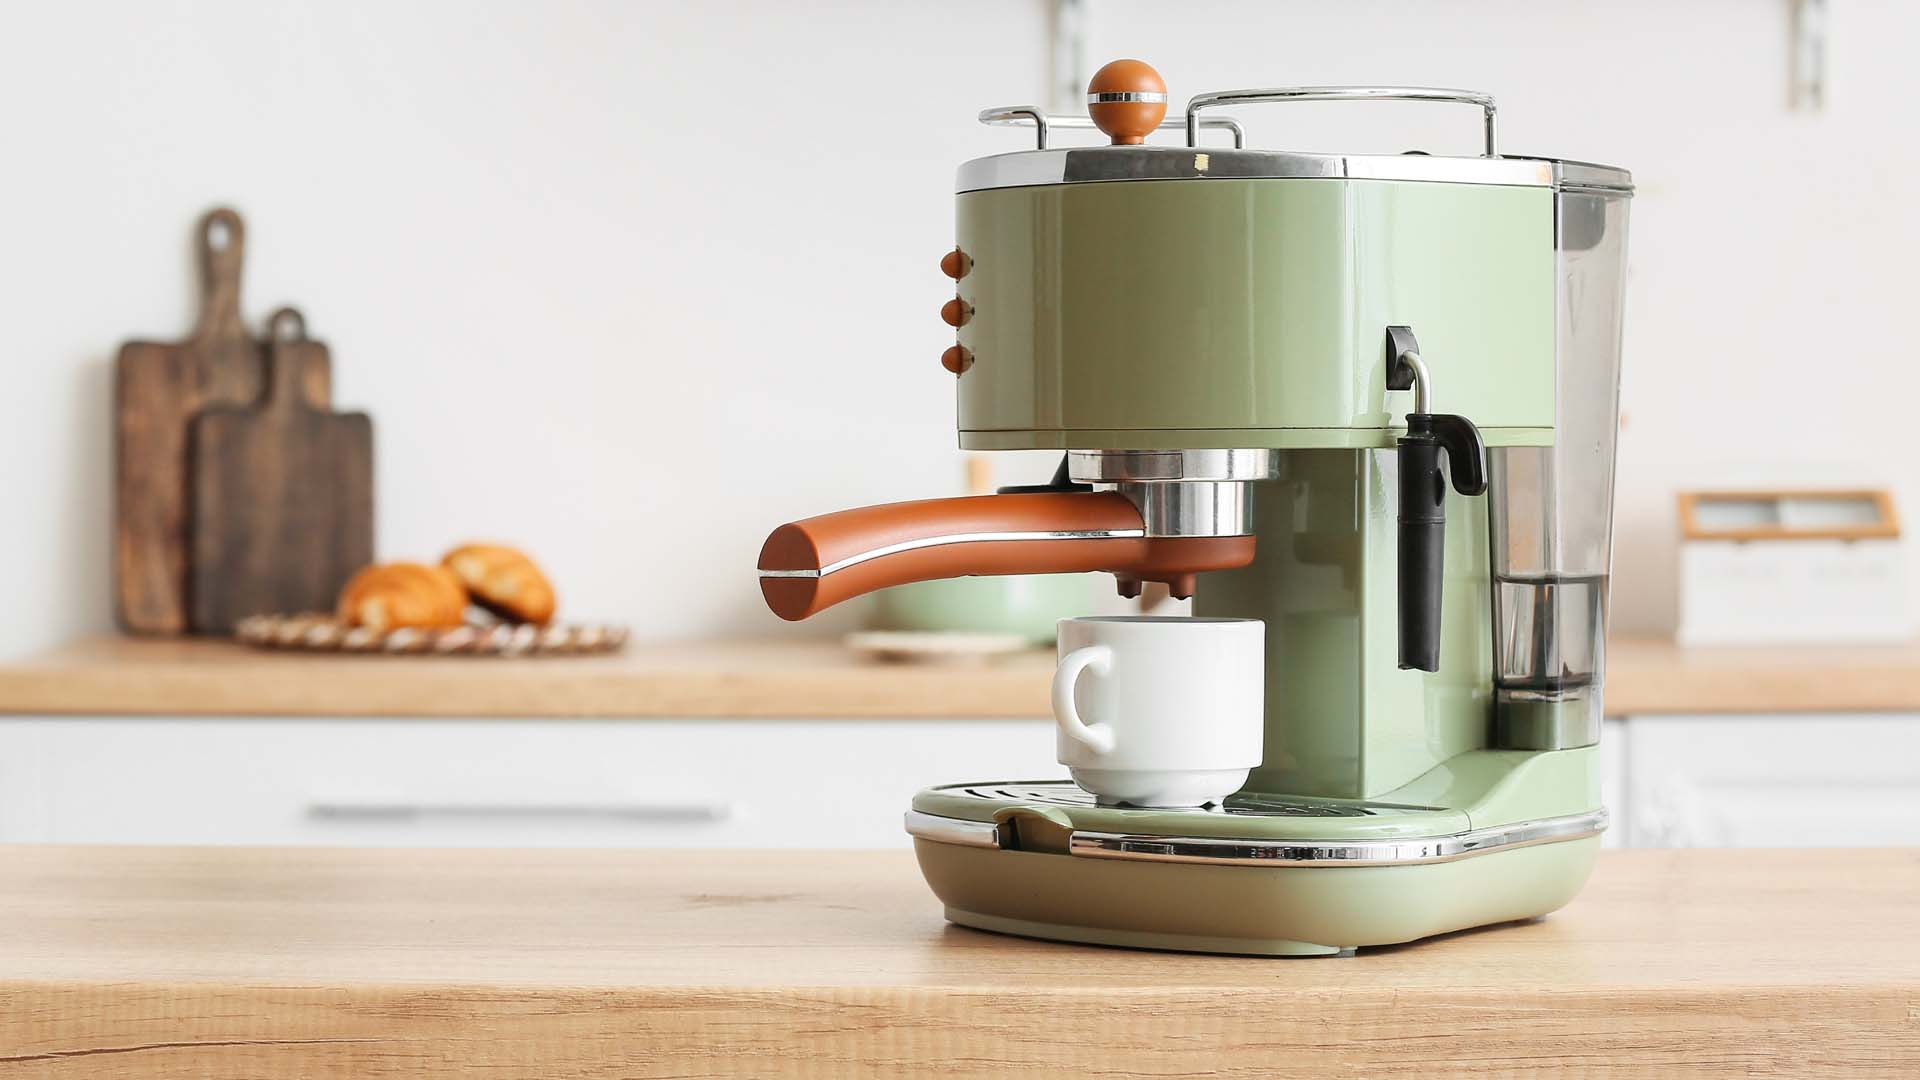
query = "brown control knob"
x=956 y=312
x=957 y=359
x=1127 y=99
x=956 y=263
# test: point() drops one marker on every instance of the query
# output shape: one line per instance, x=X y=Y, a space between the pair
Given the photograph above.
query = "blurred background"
x=627 y=284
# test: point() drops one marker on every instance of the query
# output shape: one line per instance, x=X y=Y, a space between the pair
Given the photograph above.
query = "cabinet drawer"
x=1613 y=787
x=1800 y=780
x=726 y=783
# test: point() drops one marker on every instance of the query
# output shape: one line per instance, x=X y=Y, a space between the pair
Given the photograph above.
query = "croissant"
x=389 y=596
x=503 y=580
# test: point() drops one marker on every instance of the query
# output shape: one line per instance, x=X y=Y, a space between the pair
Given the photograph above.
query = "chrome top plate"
x=1109 y=164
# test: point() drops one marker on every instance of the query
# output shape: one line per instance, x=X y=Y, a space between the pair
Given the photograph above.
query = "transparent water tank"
x=1552 y=507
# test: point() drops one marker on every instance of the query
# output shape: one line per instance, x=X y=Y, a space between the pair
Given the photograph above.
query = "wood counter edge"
x=583 y=696
x=388 y=1032
x=809 y=679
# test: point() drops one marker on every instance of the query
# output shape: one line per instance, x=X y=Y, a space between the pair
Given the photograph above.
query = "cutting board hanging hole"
x=287 y=324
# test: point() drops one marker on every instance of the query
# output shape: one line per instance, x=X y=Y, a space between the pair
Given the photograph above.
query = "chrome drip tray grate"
x=1066 y=793
x=1252 y=829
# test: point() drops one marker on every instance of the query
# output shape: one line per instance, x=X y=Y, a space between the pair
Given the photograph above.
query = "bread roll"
x=503 y=580
x=390 y=596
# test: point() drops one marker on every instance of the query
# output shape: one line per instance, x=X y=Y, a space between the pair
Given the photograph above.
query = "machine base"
x=1247 y=910
x=1494 y=837
x=1087 y=935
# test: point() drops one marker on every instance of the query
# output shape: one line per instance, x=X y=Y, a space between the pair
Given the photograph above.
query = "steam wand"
x=1423 y=497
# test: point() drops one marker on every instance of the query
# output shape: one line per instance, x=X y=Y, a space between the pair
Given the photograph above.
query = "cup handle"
x=1097 y=737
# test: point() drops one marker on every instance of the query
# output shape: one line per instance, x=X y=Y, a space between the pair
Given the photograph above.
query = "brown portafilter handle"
x=1127 y=99
x=808 y=566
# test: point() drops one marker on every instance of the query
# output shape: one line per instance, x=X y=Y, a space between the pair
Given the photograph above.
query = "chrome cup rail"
x=1043 y=122
x=1194 y=121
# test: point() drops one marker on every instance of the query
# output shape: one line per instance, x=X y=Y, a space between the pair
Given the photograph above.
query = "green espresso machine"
x=1242 y=355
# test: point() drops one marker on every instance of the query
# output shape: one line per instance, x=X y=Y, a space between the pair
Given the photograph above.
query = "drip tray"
x=1056 y=817
x=1066 y=793
x=1246 y=815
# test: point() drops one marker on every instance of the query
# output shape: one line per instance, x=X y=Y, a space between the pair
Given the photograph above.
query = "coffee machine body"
x=1247 y=345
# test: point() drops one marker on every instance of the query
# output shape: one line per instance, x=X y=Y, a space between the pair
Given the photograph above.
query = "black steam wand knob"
x=1423 y=497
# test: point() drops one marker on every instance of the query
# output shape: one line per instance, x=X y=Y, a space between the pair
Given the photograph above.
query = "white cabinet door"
x=706 y=783
x=1774 y=781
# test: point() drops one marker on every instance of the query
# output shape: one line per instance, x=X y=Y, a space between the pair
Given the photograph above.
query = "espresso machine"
x=1370 y=400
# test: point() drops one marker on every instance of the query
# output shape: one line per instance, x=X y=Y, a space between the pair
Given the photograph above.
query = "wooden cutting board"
x=158 y=388
x=282 y=498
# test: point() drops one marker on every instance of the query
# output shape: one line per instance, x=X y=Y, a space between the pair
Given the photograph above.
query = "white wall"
x=630 y=283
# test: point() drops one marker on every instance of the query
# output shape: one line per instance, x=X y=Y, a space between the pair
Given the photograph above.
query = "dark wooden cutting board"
x=282 y=498
x=157 y=390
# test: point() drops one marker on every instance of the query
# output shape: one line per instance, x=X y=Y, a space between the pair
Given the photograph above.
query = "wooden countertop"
x=800 y=677
x=797 y=677
x=236 y=962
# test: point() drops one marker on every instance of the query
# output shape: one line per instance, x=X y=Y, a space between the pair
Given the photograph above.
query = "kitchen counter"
x=800 y=677
x=797 y=677
x=252 y=962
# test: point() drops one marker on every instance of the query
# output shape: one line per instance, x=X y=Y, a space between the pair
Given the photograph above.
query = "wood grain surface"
x=158 y=389
x=800 y=678
x=233 y=962
x=282 y=498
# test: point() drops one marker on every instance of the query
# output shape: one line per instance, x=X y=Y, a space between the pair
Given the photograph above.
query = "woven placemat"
x=324 y=633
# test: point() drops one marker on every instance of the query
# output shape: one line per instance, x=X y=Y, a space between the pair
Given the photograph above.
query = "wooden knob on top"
x=955 y=264
x=1127 y=99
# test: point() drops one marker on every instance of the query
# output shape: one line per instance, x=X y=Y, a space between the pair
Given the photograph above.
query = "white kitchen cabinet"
x=1787 y=780
x=642 y=783
x=1613 y=782
x=1800 y=780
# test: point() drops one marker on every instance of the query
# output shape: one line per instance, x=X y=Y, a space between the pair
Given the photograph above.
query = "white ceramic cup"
x=1157 y=711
